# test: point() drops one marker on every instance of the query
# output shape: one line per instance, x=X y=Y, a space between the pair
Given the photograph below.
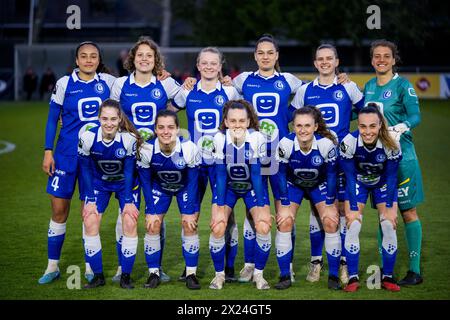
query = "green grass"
x=25 y=213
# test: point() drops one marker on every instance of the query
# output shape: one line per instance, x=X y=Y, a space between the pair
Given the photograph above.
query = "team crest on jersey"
x=381 y=157
x=338 y=95
x=180 y=163
x=279 y=85
x=316 y=161
x=247 y=154
x=387 y=94
x=156 y=94
x=99 y=88
x=219 y=100
x=120 y=153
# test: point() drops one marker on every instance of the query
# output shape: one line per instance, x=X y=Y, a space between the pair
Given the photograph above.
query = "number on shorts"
x=55 y=183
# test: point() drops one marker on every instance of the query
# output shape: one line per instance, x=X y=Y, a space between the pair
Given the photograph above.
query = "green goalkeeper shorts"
x=410 y=188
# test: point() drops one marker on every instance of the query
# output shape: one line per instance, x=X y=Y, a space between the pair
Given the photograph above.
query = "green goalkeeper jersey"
x=398 y=102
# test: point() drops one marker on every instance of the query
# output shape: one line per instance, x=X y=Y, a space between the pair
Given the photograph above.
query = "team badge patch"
x=338 y=95
x=381 y=157
x=316 y=161
x=343 y=147
x=120 y=153
x=180 y=163
x=387 y=94
x=156 y=94
x=99 y=88
x=279 y=85
x=219 y=100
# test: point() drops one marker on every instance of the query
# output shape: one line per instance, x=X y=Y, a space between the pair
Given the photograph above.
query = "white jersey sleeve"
x=393 y=154
x=299 y=98
x=258 y=144
x=129 y=142
x=219 y=143
x=238 y=82
x=146 y=153
x=60 y=90
x=116 y=90
x=181 y=98
x=347 y=147
x=109 y=79
x=85 y=143
x=353 y=92
x=191 y=154
x=284 y=150
x=294 y=82
x=231 y=93
x=327 y=149
x=171 y=87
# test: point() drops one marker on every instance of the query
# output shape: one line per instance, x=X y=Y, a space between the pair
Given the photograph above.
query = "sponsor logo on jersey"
x=131 y=94
x=343 y=147
x=195 y=101
x=76 y=91
x=99 y=88
x=381 y=157
x=279 y=85
x=316 y=161
x=387 y=94
x=60 y=172
x=120 y=153
x=219 y=100
x=253 y=85
x=332 y=153
x=338 y=95
x=156 y=93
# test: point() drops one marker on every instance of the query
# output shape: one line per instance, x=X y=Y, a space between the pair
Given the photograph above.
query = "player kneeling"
x=370 y=159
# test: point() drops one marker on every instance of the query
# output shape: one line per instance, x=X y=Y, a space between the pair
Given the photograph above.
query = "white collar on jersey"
x=230 y=140
x=361 y=144
x=275 y=74
x=199 y=87
x=75 y=77
x=132 y=81
x=158 y=148
x=297 y=145
x=100 y=137
x=395 y=76
x=316 y=83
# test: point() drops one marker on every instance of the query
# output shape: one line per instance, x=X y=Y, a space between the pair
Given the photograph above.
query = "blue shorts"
x=67 y=172
x=249 y=197
x=378 y=194
x=103 y=197
x=273 y=184
x=315 y=195
x=162 y=200
x=205 y=174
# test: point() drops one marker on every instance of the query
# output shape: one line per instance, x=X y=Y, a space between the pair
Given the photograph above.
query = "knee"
x=410 y=215
x=129 y=224
x=329 y=225
x=91 y=225
x=263 y=226
x=218 y=230
x=286 y=225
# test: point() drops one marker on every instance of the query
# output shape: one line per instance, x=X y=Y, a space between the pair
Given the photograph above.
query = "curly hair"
x=318 y=118
x=159 y=59
x=242 y=105
x=389 y=44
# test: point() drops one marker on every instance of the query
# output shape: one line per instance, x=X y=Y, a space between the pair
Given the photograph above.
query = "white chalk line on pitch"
x=6 y=147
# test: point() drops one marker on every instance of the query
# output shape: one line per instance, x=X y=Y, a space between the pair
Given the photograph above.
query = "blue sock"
x=217 y=250
x=93 y=253
x=389 y=245
x=351 y=248
x=152 y=248
x=333 y=249
x=262 y=250
x=249 y=242
x=283 y=245
x=56 y=234
x=191 y=246
x=128 y=253
x=231 y=249
x=316 y=236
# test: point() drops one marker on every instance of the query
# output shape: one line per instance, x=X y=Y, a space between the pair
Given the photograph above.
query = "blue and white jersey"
x=239 y=160
x=335 y=101
x=270 y=98
x=368 y=167
x=169 y=173
x=142 y=103
x=77 y=102
x=204 y=114
x=307 y=169
x=108 y=157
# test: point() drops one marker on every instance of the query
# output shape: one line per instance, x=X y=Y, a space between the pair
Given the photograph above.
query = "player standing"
x=76 y=99
x=399 y=104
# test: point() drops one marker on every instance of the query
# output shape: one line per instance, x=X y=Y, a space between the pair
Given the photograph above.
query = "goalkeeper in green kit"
x=397 y=100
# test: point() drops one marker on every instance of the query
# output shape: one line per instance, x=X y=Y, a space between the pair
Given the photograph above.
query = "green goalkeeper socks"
x=413 y=232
